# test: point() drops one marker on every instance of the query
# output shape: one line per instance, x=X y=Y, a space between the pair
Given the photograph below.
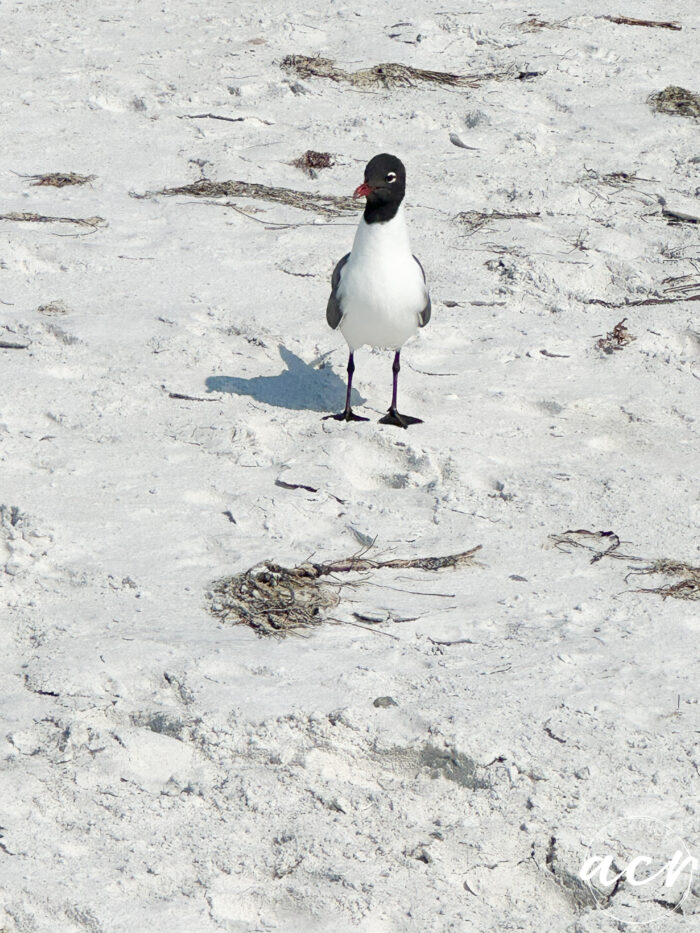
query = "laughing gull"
x=378 y=292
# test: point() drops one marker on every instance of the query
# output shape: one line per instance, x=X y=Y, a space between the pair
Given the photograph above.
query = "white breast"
x=381 y=288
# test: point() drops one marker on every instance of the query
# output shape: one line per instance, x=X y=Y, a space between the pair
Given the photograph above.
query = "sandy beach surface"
x=441 y=752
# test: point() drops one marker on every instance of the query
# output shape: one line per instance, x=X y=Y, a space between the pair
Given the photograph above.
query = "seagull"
x=379 y=296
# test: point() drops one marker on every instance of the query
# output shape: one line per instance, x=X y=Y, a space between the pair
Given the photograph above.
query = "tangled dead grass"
x=677 y=101
x=612 y=179
x=474 y=220
x=326 y=204
x=276 y=600
x=28 y=217
x=60 y=179
x=393 y=74
x=606 y=544
x=687 y=587
x=535 y=24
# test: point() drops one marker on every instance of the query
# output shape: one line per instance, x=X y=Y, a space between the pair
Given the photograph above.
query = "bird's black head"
x=384 y=187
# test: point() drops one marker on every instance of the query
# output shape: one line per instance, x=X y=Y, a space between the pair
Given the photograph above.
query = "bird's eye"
x=391 y=177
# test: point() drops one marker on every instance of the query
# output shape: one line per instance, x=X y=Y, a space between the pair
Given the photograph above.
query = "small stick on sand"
x=27 y=216
x=631 y=21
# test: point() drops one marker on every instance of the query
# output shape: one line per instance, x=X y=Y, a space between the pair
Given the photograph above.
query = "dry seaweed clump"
x=61 y=179
x=276 y=600
x=687 y=587
x=676 y=100
x=272 y=599
x=606 y=544
x=311 y=161
x=327 y=204
x=392 y=74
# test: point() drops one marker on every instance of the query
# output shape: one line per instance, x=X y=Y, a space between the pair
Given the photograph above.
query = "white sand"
x=161 y=772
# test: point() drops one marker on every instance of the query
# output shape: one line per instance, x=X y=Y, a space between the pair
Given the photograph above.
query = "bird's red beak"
x=362 y=191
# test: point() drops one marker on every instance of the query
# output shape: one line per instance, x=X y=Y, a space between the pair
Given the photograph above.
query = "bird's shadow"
x=299 y=386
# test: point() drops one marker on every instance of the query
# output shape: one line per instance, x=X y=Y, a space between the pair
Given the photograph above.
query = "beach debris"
x=602 y=543
x=474 y=220
x=54 y=307
x=276 y=600
x=60 y=179
x=606 y=544
x=631 y=21
x=384 y=702
x=682 y=284
x=12 y=345
x=216 y=116
x=677 y=101
x=688 y=587
x=675 y=217
x=327 y=204
x=457 y=141
x=311 y=161
x=641 y=301
x=394 y=74
x=534 y=24
x=615 y=339
x=29 y=217
x=8 y=342
x=613 y=179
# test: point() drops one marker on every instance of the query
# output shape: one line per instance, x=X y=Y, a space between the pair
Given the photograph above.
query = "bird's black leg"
x=348 y=414
x=401 y=421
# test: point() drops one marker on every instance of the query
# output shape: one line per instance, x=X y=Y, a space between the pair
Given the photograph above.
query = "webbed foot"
x=400 y=421
x=347 y=415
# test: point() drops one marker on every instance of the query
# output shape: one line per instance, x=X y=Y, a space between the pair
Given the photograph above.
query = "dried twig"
x=284 y=485
x=274 y=600
x=93 y=222
x=534 y=24
x=641 y=301
x=474 y=220
x=187 y=398
x=362 y=564
x=682 y=283
x=631 y=21
x=216 y=116
x=393 y=74
x=683 y=589
x=330 y=205
x=614 y=179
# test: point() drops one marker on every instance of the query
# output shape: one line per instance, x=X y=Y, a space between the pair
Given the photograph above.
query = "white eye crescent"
x=391 y=177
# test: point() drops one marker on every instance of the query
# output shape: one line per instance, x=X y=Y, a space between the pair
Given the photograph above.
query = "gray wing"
x=424 y=315
x=334 y=312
